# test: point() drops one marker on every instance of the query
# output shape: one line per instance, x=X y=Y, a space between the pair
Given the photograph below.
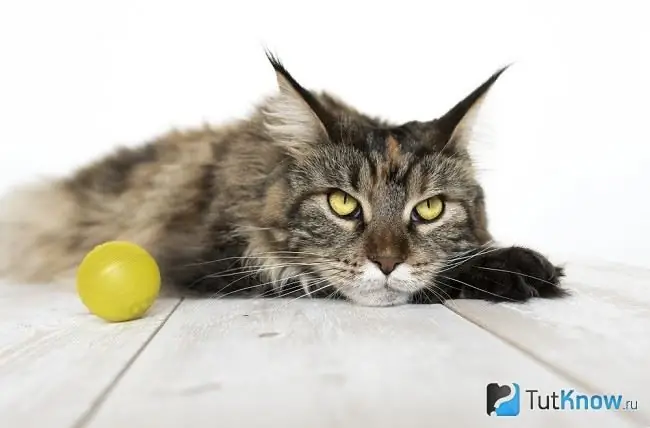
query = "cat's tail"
x=37 y=233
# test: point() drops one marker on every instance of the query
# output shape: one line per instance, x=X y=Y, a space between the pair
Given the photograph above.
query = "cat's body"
x=249 y=208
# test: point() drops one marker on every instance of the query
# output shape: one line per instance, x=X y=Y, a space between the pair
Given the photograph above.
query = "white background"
x=562 y=143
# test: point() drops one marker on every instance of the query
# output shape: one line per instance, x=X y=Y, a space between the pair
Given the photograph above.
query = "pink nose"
x=386 y=264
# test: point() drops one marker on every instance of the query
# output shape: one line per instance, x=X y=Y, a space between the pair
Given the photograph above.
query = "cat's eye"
x=343 y=204
x=428 y=210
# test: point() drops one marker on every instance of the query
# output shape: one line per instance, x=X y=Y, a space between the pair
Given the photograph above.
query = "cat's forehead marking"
x=392 y=157
x=393 y=152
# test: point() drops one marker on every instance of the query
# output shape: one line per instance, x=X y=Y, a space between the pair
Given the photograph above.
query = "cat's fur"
x=243 y=208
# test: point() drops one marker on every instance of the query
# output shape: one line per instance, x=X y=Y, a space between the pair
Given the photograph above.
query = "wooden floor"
x=310 y=364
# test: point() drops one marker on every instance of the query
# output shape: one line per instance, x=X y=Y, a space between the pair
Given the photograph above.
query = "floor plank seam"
x=87 y=416
x=635 y=417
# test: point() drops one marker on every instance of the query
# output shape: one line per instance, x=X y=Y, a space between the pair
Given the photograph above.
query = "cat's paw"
x=507 y=274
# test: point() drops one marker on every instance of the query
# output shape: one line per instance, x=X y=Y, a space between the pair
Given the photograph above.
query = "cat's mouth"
x=366 y=293
x=373 y=288
x=385 y=296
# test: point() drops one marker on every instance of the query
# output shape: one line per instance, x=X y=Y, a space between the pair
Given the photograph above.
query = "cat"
x=306 y=196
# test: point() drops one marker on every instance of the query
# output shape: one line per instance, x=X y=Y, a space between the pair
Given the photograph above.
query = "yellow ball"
x=118 y=281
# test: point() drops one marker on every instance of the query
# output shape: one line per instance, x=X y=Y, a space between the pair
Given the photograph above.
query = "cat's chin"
x=380 y=297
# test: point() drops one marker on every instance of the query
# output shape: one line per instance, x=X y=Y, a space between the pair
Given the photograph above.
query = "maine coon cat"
x=307 y=196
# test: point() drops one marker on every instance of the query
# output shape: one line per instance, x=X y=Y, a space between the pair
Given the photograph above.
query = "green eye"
x=343 y=204
x=428 y=210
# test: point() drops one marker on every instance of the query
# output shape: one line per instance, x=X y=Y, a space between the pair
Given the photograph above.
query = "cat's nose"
x=386 y=264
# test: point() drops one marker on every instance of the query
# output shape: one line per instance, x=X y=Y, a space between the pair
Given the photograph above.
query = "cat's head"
x=371 y=209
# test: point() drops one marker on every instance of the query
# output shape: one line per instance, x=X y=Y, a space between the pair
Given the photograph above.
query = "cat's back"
x=176 y=164
x=168 y=191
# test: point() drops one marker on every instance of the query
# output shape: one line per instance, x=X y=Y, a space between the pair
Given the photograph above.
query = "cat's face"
x=373 y=210
x=377 y=218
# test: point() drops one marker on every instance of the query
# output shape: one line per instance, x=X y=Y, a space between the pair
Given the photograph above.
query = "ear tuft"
x=294 y=118
x=455 y=126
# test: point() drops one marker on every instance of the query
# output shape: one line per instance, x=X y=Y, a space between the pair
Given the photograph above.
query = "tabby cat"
x=305 y=197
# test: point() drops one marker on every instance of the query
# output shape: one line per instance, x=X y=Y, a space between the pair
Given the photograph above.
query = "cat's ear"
x=454 y=127
x=294 y=118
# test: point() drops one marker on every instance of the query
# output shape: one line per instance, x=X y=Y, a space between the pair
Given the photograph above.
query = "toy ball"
x=118 y=281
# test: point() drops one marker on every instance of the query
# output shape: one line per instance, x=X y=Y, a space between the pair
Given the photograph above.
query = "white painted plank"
x=314 y=364
x=600 y=336
x=55 y=358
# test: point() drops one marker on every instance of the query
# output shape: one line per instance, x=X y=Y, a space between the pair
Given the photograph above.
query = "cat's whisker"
x=289 y=254
x=331 y=295
x=516 y=273
x=263 y=267
x=482 y=252
x=447 y=300
x=308 y=286
x=477 y=288
x=327 y=284
x=444 y=293
x=264 y=284
x=435 y=293
x=276 y=283
x=462 y=254
x=232 y=282
x=286 y=252
x=218 y=294
x=240 y=270
x=337 y=282
x=296 y=288
x=450 y=302
x=485 y=246
x=336 y=278
x=259 y=268
x=220 y=275
x=284 y=292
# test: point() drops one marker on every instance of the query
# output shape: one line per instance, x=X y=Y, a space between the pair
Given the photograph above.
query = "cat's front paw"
x=507 y=274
